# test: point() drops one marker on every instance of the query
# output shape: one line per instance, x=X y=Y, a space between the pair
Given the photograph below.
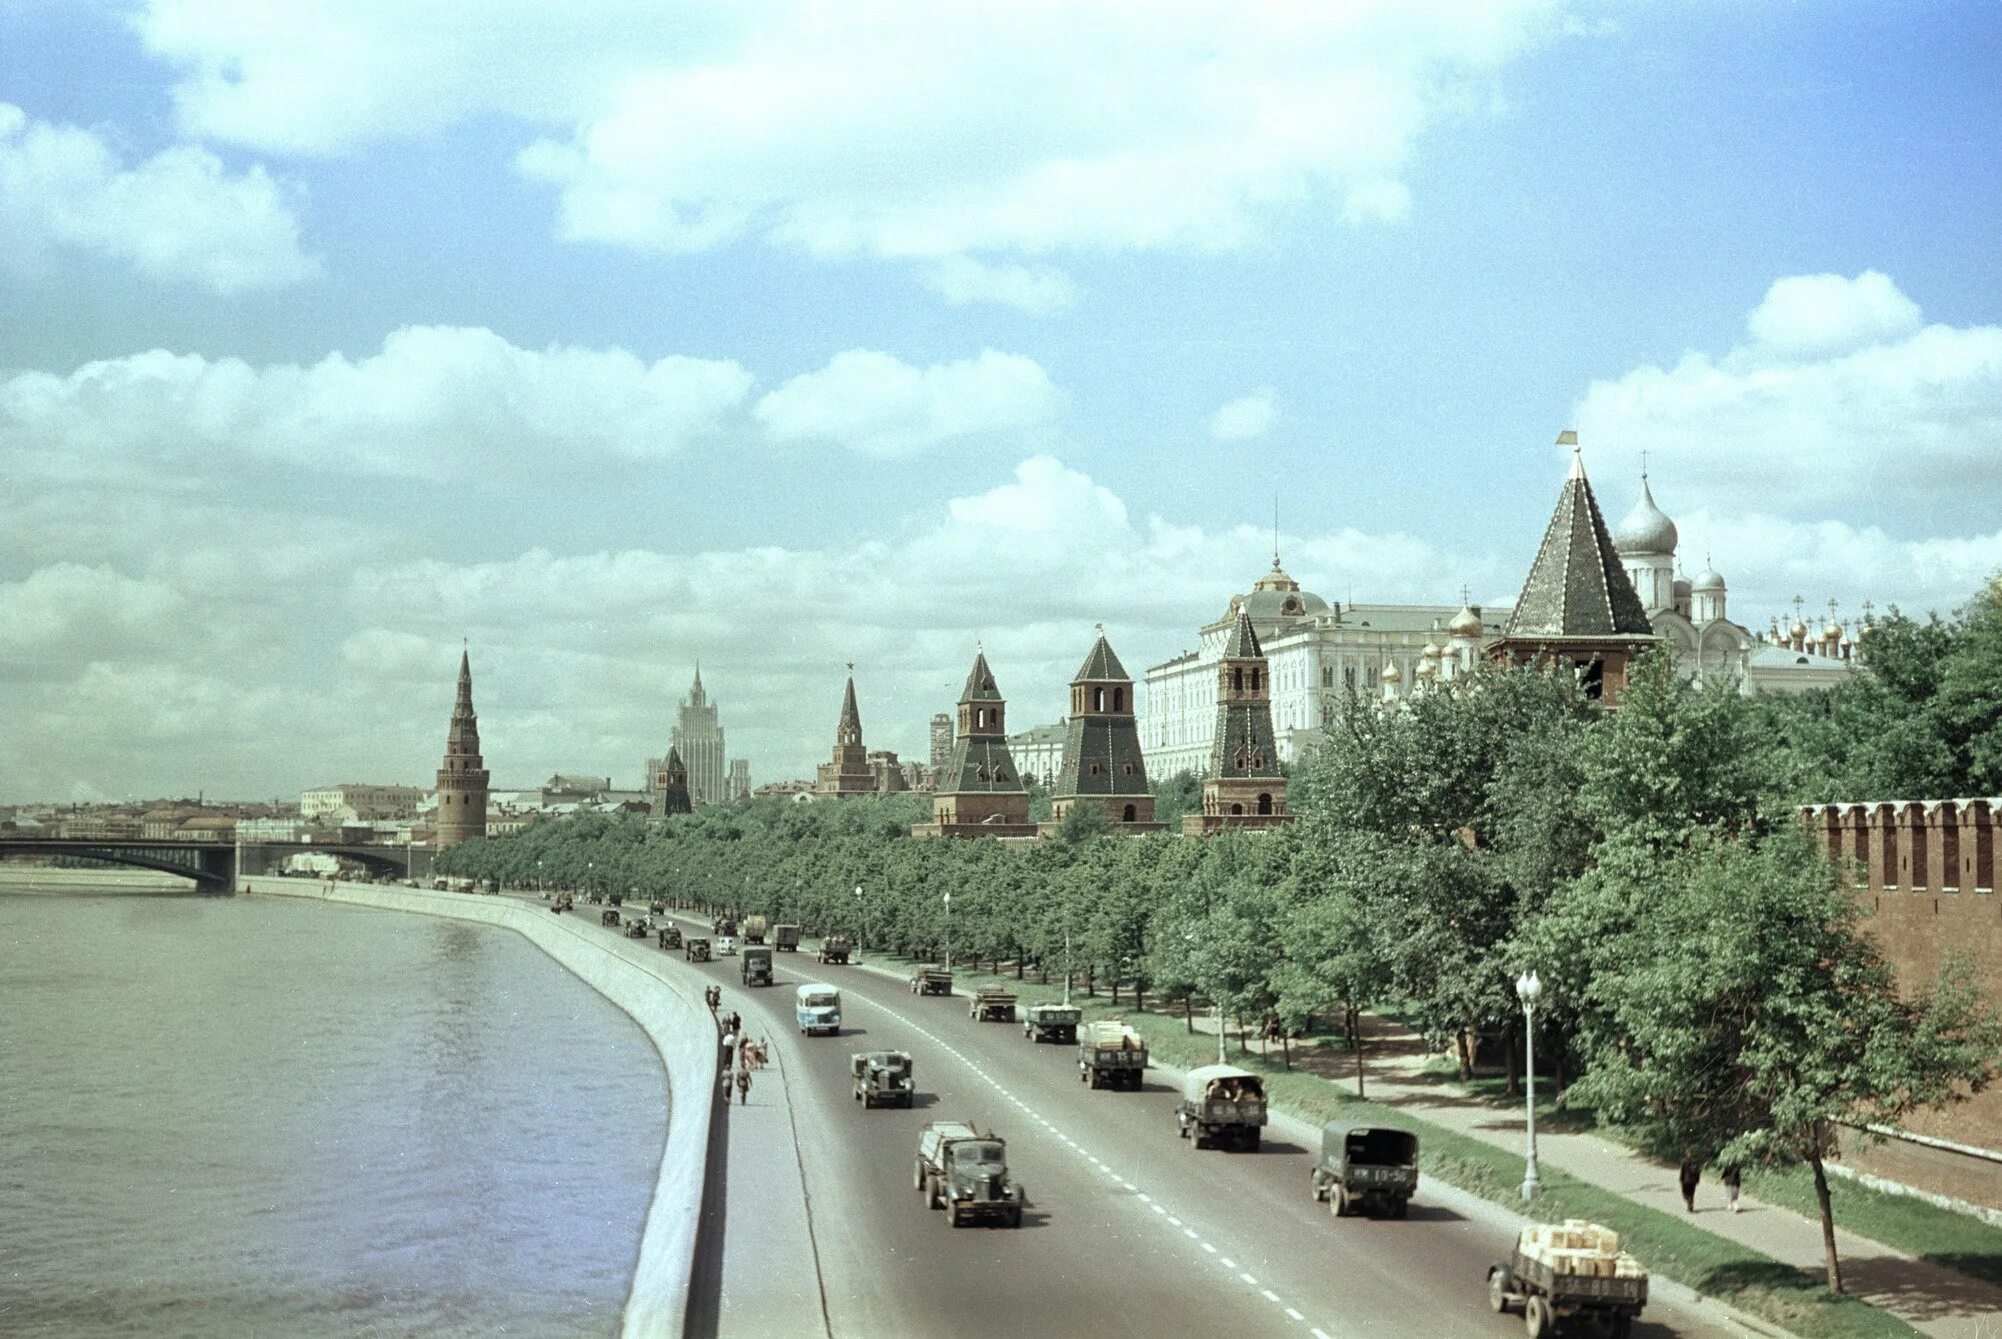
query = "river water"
x=266 y=1117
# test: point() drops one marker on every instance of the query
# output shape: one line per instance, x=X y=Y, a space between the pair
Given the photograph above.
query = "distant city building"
x=1243 y=787
x=462 y=777
x=352 y=800
x=799 y=792
x=941 y=740
x=1102 y=766
x=699 y=740
x=737 y=785
x=1317 y=653
x=889 y=773
x=672 y=796
x=917 y=776
x=847 y=774
x=1578 y=605
x=271 y=829
x=979 y=792
x=1039 y=753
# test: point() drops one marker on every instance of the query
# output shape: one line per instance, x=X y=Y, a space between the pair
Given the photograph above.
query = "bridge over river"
x=217 y=867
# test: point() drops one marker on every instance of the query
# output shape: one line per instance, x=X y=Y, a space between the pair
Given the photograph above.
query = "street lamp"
x=1067 y=965
x=948 y=932
x=1527 y=989
x=861 y=922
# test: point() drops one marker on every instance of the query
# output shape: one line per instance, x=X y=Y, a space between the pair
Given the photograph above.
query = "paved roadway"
x=1130 y=1230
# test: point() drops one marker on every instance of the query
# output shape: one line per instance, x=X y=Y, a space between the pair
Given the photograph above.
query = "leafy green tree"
x=1176 y=796
x=1754 y=1016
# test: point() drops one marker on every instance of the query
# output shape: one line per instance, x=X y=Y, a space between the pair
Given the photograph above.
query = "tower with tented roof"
x=672 y=796
x=1578 y=606
x=1244 y=787
x=1102 y=767
x=847 y=773
x=462 y=775
x=980 y=793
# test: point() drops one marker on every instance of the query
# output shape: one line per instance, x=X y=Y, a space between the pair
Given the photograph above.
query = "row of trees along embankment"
x=1708 y=983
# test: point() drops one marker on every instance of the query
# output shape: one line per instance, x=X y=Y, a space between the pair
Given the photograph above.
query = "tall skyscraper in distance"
x=699 y=740
x=462 y=776
x=737 y=784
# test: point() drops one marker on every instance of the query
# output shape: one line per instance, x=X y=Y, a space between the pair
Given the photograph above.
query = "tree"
x=1753 y=1017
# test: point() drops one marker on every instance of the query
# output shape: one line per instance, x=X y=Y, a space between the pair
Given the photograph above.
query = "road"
x=1130 y=1230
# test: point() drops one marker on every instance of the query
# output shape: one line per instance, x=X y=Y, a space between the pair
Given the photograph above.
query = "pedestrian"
x=736 y=1022
x=729 y=1048
x=1692 y=1172
x=1731 y=1177
x=764 y=1049
x=743 y=1087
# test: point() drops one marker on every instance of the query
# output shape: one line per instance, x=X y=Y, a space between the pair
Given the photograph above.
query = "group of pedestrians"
x=1692 y=1174
x=739 y=1054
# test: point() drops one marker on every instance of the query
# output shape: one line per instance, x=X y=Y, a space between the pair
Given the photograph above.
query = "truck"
x=658 y=906
x=1052 y=1022
x=931 y=981
x=754 y=929
x=965 y=1173
x=756 y=966
x=1111 y=1055
x=836 y=948
x=816 y=1007
x=670 y=936
x=882 y=1076
x=695 y=949
x=1221 y=1105
x=786 y=937
x=1365 y=1169
x=1570 y=1271
x=723 y=925
x=991 y=1004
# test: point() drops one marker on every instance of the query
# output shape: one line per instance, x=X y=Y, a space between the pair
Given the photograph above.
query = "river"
x=241 y=1116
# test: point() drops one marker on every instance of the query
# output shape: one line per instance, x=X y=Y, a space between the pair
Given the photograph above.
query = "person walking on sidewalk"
x=743 y=1087
x=1692 y=1172
x=1731 y=1177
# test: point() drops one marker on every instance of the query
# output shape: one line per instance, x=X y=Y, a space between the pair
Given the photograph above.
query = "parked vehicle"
x=1111 y=1055
x=1560 y=1273
x=965 y=1173
x=931 y=981
x=609 y=916
x=1367 y=1168
x=817 y=1008
x=670 y=936
x=991 y=1004
x=726 y=946
x=1222 y=1104
x=695 y=949
x=754 y=929
x=756 y=966
x=1052 y=1022
x=786 y=938
x=882 y=1076
x=834 y=948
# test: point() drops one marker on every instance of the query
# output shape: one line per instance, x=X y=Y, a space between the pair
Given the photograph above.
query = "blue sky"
x=620 y=334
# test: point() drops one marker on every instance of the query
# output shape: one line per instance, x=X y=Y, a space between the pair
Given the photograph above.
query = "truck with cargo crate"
x=991 y=1004
x=836 y=948
x=754 y=929
x=785 y=938
x=1111 y=1055
x=1560 y=1273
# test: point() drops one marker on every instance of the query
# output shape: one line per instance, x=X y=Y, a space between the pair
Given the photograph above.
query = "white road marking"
x=1211 y=1249
x=1293 y=1313
x=1189 y=1232
x=1229 y=1263
x=1269 y=1295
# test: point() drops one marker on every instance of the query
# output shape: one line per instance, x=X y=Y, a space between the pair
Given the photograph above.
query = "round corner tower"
x=462 y=777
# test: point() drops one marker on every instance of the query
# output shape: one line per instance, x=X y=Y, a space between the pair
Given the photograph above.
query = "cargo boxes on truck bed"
x=1111 y=1055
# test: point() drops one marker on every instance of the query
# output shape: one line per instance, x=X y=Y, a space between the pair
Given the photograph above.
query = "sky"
x=607 y=337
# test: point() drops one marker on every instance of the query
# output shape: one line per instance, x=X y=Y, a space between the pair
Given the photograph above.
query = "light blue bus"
x=817 y=1008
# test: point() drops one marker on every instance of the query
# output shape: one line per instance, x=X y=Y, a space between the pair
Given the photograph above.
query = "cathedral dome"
x=1646 y=529
x=1707 y=579
x=1391 y=674
x=1466 y=623
x=1277 y=595
x=1799 y=629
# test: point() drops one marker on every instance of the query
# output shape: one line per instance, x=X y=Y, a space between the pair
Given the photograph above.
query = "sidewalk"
x=1936 y=1300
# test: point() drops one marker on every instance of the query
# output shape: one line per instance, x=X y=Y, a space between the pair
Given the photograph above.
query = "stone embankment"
x=674 y=1018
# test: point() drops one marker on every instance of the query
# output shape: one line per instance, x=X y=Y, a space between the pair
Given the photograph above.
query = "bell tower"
x=462 y=776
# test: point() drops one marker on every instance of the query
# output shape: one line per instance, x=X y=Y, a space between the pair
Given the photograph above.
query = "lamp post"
x=1527 y=989
x=1067 y=965
x=861 y=922
x=948 y=932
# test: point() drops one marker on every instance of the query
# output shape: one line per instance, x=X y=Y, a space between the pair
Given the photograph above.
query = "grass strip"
x=1711 y=1265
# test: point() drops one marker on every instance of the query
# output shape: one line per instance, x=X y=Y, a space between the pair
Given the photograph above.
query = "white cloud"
x=877 y=405
x=437 y=402
x=179 y=217
x=1244 y=418
x=1818 y=315
x=1842 y=401
x=1036 y=289
x=918 y=131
